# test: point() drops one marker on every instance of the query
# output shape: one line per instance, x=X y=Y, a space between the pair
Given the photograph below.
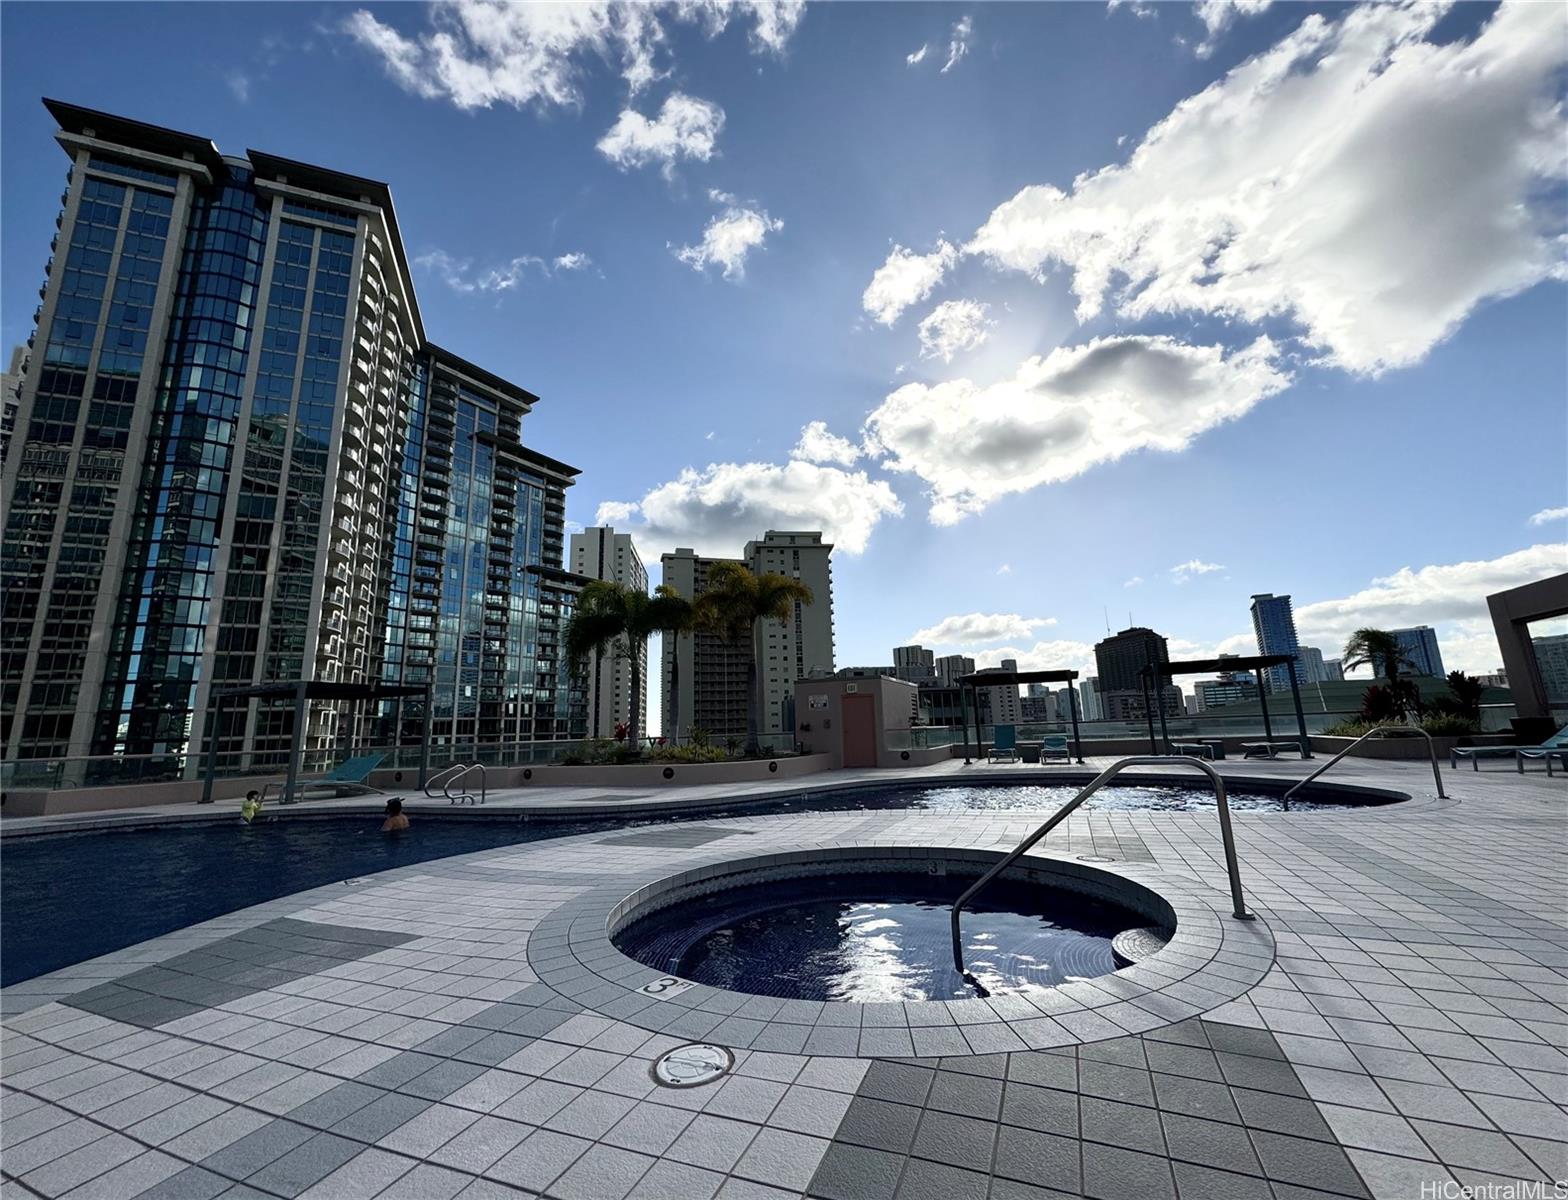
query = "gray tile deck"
x=1397 y=1017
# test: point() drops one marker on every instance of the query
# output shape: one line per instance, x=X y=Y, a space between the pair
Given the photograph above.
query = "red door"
x=860 y=731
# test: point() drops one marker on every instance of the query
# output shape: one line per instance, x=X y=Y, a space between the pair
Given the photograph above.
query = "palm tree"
x=622 y=618
x=734 y=603
x=679 y=617
x=1378 y=649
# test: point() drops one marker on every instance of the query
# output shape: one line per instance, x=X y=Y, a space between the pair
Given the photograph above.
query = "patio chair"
x=1055 y=745
x=348 y=778
x=1005 y=747
x=1543 y=752
x=1474 y=754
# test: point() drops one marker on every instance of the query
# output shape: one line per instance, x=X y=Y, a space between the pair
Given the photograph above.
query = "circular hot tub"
x=878 y=929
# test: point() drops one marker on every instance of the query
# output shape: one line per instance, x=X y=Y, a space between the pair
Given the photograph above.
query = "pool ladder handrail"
x=439 y=778
x=465 y=796
x=1238 y=901
x=1437 y=776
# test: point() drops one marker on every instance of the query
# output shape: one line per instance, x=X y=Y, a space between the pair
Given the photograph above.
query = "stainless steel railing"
x=458 y=779
x=440 y=777
x=1238 y=901
x=1437 y=776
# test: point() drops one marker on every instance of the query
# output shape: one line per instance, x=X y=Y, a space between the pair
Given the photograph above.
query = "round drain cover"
x=692 y=1066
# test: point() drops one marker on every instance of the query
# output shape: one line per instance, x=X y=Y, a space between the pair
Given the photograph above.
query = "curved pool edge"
x=1211 y=960
x=517 y=808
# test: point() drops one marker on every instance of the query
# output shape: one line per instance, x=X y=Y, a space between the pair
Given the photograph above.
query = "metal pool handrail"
x=440 y=775
x=1437 y=776
x=466 y=796
x=1238 y=902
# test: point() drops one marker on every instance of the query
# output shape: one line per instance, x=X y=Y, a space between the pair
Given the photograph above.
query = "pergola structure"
x=992 y=679
x=1256 y=663
x=302 y=692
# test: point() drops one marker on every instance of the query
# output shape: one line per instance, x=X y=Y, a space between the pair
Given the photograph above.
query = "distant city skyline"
x=927 y=345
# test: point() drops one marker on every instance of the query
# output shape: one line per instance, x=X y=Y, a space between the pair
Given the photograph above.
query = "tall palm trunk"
x=634 y=709
x=675 y=694
x=753 y=700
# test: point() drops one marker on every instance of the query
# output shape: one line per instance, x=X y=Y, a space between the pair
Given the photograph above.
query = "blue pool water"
x=879 y=937
x=65 y=898
x=1119 y=798
x=72 y=897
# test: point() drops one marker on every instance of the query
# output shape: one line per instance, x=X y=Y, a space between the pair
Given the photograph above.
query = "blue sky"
x=1298 y=326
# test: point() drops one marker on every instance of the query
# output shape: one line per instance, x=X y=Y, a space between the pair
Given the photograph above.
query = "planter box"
x=658 y=774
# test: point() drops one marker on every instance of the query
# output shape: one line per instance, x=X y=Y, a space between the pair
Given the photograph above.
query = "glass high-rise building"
x=1419 y=646
x=238 y=459
x=1274 y=624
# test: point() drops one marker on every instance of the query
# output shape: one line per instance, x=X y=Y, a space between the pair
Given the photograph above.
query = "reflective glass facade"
x=237 y=461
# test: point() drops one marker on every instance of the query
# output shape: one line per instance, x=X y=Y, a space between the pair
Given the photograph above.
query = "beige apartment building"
x=703 y=678
x=598 y=552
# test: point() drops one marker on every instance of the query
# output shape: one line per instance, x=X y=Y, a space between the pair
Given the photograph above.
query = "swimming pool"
x=1116 y=798
x=72 y=896
x=879 y=937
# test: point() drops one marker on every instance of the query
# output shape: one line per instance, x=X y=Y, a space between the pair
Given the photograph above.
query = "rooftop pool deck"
x=1395 y=1015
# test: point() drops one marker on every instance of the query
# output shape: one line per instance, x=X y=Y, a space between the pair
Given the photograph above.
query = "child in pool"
x=396 y=822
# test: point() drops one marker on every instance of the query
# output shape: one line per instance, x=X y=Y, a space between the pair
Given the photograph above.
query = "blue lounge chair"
x=1558 y=741
x=1055 y=745
x=348 y=778
x=1005 y=746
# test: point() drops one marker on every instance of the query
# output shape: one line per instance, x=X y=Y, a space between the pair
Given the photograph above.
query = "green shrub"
x=1450 y=725
x=1350 y=729
x=688 y=754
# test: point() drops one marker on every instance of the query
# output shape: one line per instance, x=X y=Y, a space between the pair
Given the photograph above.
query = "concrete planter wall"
x=658 y=774
x=33 y=803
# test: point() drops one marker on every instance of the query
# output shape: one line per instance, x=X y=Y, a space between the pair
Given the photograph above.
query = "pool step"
x=1132 y=946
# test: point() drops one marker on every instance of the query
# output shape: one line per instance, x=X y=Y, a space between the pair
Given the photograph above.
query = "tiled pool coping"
x=1211 y=958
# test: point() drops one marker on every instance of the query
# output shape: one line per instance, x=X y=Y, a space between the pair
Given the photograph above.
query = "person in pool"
x=251 y=807
x=396 y=822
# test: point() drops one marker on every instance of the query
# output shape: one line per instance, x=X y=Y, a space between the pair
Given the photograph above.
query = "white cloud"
x=454 y=272
x=976 y=629
x=612 y=511
x=958 y=45
x=1135 y=581
x=1005 y=569
x=1369 y=184
x=1061 y=414
x=729 y=238
x=1547 y=515
x=478 y=53
x=1450 y=597
x=1193 y=567
x=686 y=127
x=460 y=275
x=906 y=278
x=239 y=83
x=954 y=326
x=1217 y=16
x=1060 y=654
x=919 y=56
x=718 y=509
x=819 y=446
